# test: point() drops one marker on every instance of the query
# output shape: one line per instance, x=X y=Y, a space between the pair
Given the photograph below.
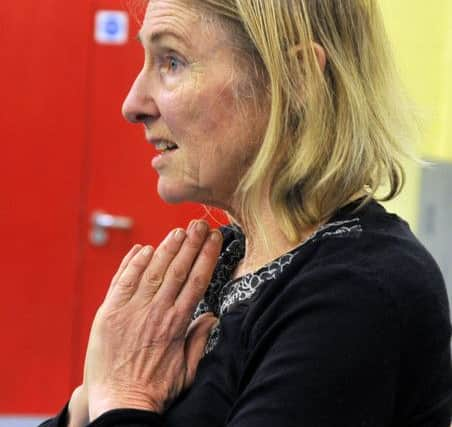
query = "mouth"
x=163 y=145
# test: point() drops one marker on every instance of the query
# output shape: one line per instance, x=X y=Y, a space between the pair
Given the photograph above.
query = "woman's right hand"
x=78 y=411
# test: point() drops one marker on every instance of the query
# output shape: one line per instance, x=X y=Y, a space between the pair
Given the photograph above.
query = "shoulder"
x=362 y=299
x=384 y=254
x=368 y=265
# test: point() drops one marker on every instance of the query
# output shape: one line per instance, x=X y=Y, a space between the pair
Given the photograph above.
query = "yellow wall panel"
x=445 y=142
x=421 y=35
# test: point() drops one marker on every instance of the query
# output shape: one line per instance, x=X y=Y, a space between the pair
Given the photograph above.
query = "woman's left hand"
x=143 y=348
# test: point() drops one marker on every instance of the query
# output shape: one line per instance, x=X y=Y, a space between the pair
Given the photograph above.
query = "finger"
x=154 y=274
x=190 y=224
x=127 y=283
x=197 y=335
x=200 y=275
x=125 y=261
x=177 y=270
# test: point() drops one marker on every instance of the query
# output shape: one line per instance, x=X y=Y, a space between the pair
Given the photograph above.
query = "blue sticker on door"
x=111 y=27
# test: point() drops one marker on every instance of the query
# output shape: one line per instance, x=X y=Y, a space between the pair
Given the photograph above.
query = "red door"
x=121 y=180
x=66 y=153
x=43 y=70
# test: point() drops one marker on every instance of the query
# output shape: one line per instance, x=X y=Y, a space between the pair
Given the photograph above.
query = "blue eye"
x=170 y=64
x=173 y=63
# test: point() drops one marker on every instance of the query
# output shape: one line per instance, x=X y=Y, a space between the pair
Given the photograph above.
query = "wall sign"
x=111 y=27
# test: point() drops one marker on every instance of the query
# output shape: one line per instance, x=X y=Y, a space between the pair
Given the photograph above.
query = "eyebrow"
x=156 y=37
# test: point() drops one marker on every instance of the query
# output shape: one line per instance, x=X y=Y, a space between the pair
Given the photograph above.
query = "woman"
x=314 y=307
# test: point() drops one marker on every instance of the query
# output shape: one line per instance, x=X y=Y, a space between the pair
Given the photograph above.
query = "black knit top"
x=350 y=329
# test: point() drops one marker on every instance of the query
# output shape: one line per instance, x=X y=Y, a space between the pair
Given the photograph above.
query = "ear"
x=319 y=53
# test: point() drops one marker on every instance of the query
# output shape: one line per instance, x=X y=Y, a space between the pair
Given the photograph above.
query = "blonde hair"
x=331 y=133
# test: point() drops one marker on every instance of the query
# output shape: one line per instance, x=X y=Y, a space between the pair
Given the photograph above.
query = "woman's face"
x=185 y=94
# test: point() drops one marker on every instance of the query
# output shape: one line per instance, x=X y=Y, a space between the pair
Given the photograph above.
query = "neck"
x=256 y=253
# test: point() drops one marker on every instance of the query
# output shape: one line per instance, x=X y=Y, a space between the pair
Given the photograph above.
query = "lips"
x=163 y=145
x=166 y=150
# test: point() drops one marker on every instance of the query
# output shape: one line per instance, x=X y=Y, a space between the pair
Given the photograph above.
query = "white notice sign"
x=112 y=27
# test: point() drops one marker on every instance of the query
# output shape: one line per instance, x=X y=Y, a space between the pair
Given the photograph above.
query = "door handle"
x=101 y=222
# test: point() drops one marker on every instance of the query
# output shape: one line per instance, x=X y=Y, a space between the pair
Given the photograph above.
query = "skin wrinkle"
x=172 y=14
x=244 y=87
x=212 y=24
x=234 y=81
x=205 y=105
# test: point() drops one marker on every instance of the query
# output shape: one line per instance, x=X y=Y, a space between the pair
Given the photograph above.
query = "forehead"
x=179 y=18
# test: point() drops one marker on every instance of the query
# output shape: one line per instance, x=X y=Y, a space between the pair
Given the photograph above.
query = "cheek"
x=194 y=114
x=216 y=112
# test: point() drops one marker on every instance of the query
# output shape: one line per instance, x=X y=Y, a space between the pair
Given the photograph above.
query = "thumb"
x=195 y=342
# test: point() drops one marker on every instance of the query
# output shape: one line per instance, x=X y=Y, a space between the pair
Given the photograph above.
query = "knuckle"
x=159 y=255
x=210 y=251
x=172 y=323
x=126 y=283
x=198 y=283
x=150 y=290
x=165 y=326
x=182 y=313
x=171 y=316
x=193 y=242
x=153 y=278
x=155 y=323
x=170 y=249
x=178 y=273
x=186 y=309
x=137 y=263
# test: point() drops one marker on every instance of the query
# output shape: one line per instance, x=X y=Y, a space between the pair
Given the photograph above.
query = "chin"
x=171 y=197
x=174 y=194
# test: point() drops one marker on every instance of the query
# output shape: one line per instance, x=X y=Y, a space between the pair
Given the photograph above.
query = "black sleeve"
x=128 y=418
x=426 y=372
x=59 y=421
x=114 y=418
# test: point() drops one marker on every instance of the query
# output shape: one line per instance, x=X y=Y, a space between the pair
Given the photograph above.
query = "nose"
x=139 y=106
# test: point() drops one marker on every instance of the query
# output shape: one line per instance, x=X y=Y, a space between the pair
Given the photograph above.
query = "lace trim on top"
x=223 y=293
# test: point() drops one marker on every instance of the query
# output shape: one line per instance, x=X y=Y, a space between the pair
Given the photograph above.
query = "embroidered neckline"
x=224 y=293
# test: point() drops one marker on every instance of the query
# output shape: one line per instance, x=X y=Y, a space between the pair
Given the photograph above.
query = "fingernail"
x=216 y=236
x=192 y=223
x=201 y=226
x=146 y=251
x=179 y=235
x=135 y=249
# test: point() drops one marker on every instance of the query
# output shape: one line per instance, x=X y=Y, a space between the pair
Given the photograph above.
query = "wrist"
x=77 y=414
x=100 y=403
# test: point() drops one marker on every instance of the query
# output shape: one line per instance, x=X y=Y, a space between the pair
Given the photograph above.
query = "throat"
x=256 y=258
x=240 y=271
